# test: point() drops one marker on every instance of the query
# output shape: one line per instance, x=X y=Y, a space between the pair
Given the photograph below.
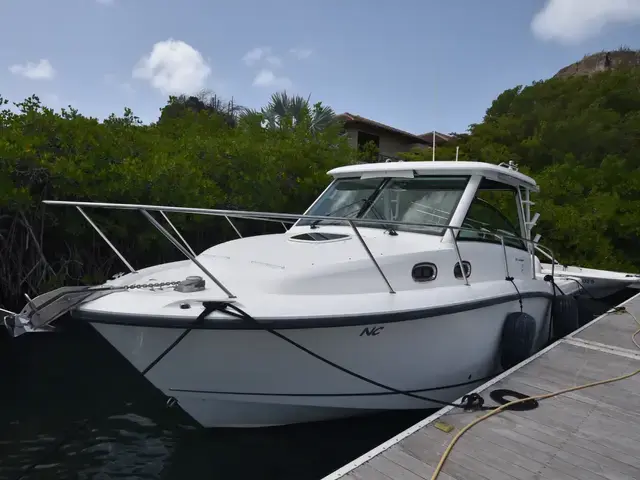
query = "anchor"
x=39 y=312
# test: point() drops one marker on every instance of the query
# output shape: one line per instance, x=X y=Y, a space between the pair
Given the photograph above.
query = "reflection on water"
x=124 y=448
x=72 y=408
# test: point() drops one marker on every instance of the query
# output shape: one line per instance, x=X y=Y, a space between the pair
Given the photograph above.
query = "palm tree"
x=283 y=109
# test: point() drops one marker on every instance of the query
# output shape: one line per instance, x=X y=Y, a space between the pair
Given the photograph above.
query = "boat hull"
x=255 y=378
x=593 y=282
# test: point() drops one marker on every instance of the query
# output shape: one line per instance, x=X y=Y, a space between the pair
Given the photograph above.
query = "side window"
x=494 y=209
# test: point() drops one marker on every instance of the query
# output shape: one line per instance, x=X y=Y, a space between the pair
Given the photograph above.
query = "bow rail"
x=282 y=218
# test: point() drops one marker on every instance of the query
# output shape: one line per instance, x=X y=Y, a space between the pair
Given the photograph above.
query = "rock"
x=602 y=62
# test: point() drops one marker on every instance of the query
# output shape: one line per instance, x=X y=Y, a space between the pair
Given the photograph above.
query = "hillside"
x=601 y=62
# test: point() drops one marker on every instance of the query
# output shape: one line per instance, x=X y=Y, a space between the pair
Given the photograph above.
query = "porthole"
x=424 y=272
x=457 y=272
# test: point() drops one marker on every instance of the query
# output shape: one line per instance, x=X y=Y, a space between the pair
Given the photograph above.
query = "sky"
x=413 y=64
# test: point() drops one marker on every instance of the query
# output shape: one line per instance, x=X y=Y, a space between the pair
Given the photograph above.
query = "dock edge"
x=346 y=469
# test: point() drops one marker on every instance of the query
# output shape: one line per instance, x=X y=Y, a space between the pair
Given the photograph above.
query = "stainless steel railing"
x=283 y=218
x=549 y=254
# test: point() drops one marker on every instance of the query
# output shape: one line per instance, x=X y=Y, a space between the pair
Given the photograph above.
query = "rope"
x=471 y=401
x=581 y=285
x=511 y=279
x=621 y=310
x=504 y=407
x=549 y=278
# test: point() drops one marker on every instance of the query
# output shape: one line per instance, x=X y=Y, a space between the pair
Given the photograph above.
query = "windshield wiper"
x=367 y=203
x=315 y=222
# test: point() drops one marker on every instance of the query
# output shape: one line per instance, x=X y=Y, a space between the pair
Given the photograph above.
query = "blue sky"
x=413 y=64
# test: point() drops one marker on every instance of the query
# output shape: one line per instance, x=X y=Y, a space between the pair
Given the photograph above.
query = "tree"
x=578 y=138
x=204 y=101
x=284 y=111
x=193 y=156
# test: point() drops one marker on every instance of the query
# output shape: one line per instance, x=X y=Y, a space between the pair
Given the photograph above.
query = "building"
x=389 y=140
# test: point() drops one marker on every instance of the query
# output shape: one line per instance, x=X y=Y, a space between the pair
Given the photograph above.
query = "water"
x=72 y=408
x=74 y=390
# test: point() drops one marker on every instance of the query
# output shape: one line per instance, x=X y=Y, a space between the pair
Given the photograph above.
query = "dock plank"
x=590 y=434
x=410 y=462
x=595 y=462
x=367 y=472
x=615 y=329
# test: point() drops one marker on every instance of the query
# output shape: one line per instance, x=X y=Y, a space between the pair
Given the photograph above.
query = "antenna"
x=435 y=108
x=457 y=151
x=433 y=147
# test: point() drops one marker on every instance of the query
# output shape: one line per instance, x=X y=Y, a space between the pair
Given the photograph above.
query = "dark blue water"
x=72 y=408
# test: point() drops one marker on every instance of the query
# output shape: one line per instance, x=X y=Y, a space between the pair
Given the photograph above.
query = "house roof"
x=425 y=138
x=429 y=136
x=350 y=117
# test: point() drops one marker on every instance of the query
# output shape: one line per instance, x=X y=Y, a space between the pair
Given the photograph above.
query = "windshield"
x=427 y=200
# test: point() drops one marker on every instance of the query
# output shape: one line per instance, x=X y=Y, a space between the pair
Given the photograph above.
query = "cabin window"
x=429 y=201
x=426 y=201
x=344 y=198
x=494 y=210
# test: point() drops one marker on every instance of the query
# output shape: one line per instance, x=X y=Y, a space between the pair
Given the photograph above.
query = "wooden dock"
x=589 y=434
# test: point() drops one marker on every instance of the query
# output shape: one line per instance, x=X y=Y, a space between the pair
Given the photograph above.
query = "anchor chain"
x=151 y=285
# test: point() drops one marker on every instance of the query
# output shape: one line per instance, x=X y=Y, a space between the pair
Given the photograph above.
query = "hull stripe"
x=235 y=323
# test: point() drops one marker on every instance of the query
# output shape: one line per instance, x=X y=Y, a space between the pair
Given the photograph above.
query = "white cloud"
x=173 y=67
x=43 y=70
x=266 y=78
x=259 y=54
x=254 y=55
x=301 y=53
x=572 y=21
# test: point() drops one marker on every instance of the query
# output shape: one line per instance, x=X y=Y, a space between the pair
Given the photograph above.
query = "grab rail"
x=281 y=218
x=550 y=256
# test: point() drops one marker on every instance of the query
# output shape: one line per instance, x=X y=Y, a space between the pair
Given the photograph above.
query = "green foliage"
x=368 y=152
x=193 y=156
x=206 y=101
x=578 y=138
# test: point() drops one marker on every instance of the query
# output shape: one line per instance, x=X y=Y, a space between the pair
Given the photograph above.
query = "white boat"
x=400 y=287
x=595 y=283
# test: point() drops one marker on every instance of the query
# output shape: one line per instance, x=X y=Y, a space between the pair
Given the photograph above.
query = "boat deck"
x=589 y=434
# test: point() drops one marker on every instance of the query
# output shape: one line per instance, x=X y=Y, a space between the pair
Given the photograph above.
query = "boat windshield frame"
x=379 y=192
